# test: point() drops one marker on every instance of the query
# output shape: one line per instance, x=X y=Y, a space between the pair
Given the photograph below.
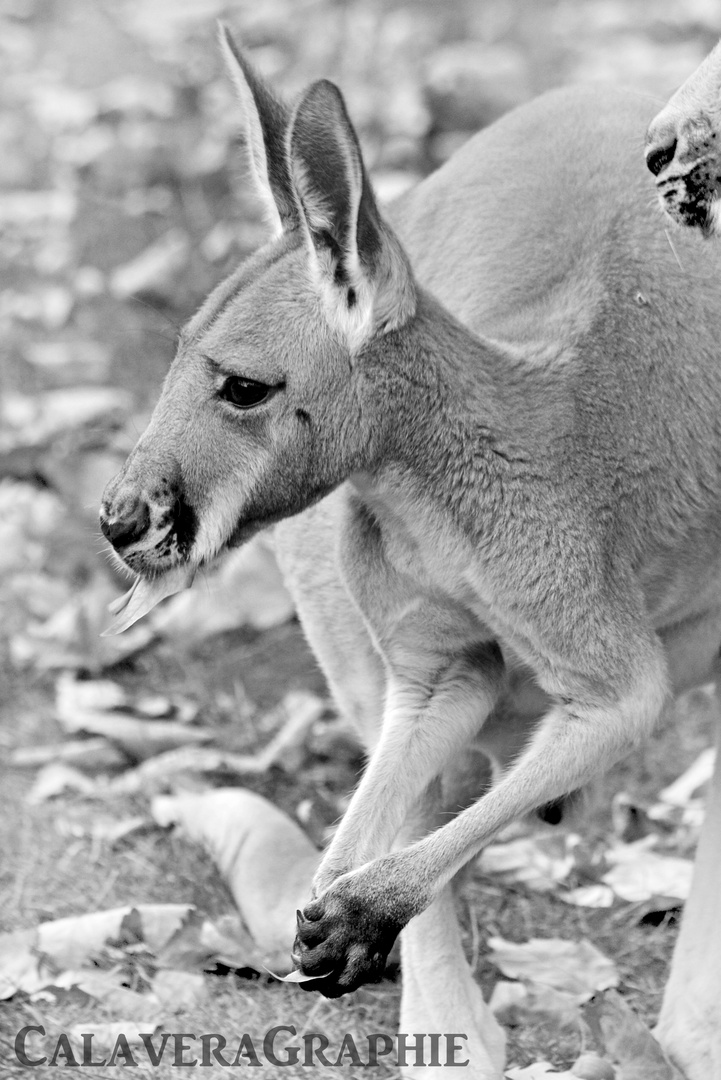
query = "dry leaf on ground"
x=89 y=755
x=73 y=696
x=593 y=896
x=540 y=862
x=115 y=999
x=682 y=802
x=201 y=944
x=30 y=959
x=681 y=791
x=56 y=779
x=139 y=738
x=265 y=857
x=56 y=960
x=300 y=710
x=576 y=967
x=640 y=874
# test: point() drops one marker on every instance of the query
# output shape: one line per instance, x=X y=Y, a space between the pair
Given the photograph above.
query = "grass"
x=44 y=875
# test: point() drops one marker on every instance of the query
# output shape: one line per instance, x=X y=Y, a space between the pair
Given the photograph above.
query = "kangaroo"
x=684 y=154
x=485 y=426
x=684 y=149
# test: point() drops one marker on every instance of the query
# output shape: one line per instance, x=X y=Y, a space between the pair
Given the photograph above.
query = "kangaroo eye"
x=244 y=393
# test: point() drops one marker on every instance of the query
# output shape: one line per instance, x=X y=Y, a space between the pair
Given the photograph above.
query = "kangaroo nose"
x=658 y=157
x=124 y=525
x=662 y=143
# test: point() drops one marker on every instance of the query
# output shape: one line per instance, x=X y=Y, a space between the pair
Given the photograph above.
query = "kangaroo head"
x=683 y=149
x=272 y=398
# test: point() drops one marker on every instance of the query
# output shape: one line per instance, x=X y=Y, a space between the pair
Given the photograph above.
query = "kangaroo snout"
x=124 y=522
x=662 y=142
x=147 y=519
x=683 y=153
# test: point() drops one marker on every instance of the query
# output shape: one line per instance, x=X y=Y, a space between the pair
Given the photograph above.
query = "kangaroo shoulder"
x=526 y=230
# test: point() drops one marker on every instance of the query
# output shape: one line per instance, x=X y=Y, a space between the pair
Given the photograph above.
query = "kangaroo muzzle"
x=125 y=522
x=148 y=520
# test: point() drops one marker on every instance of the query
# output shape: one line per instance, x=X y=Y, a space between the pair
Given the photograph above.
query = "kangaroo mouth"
x=144 y=594
x=691 y=199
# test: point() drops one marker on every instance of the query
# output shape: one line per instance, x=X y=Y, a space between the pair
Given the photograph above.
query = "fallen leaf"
x=57 y=778
x=640 y=874
x=577 y=967
x=680 y=792
x=89 y=755
x=102 y=987
x=228 y=942
x=593 y=896
x=54 y=954
x=505 y=999
x=157 y=707
x=140 y=739
x=301 y=710
x=265 y=857
x=32 y=958
x=74 y=695
x=64 y=939
x=20 y=966
x=540 y=862
x=96 y=983
x=200 y=944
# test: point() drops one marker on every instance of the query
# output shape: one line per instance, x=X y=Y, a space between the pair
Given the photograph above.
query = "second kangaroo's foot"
x=345 y=935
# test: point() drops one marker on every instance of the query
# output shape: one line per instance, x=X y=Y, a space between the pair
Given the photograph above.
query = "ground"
x=121 y=203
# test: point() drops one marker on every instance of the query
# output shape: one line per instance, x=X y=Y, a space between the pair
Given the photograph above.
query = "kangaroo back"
x=525 y=231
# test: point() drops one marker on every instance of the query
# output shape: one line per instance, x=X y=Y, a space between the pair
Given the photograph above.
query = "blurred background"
x=122 y=202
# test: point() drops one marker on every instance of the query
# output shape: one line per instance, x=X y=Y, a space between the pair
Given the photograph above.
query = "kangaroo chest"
x=399 y=557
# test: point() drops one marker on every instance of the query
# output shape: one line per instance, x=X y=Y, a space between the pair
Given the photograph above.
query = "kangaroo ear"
x=363 y=272
x=265 y=125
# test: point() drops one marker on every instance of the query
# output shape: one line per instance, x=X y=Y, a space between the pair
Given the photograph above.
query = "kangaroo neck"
x=454 y=426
